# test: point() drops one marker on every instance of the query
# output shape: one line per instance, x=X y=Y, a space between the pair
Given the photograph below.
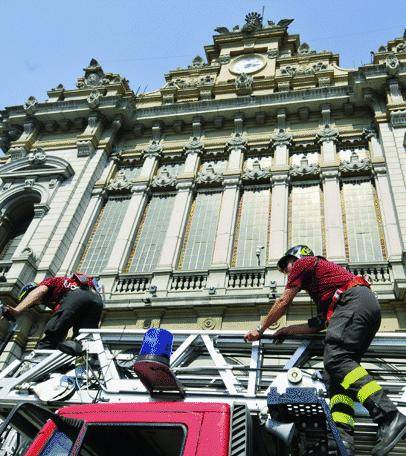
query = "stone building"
x=183 y=199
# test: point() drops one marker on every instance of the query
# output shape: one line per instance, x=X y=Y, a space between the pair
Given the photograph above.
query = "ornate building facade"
x=183 y=199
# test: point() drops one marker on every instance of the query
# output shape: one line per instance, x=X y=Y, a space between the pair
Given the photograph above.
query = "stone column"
x=333 y=217
x=278 y=227
x=375 y=148
x=82 y=234
x=390 y=223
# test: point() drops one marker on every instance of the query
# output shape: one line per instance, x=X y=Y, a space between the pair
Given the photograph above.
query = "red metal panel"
x=215 y=434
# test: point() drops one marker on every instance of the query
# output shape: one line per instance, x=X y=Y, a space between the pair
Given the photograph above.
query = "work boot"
x=389 y=434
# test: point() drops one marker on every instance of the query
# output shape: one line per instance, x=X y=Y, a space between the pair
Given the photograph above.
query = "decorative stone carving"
x=6 y=186
x=15 y=132
x=303 y=70
x=392 y=64
x=369 y=132
x=256 y=173
x=93 y=99
x=52 y=183
x=282 y=138
x=197 y=62
x=208 y=323
x=401 y=47
x=304 y=49
x=154 y=148
x=85 y=148
x=31 y=105
x=209 y=175
x=119 y=183
x=355 y=164
x=304 y=169
x=29 y=183
x=194 y=145
x=237 y=141
x=37 y=157
x=327 y=134
x=273 y=54
x=224 y=59
x=164 y=179
x=253 y=22
x=40 y=210
x=95 y=76
x=243 y=83
x=189 y=83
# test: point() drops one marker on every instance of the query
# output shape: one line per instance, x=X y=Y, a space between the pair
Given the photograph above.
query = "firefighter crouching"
x=351 y=313
x=74 y=301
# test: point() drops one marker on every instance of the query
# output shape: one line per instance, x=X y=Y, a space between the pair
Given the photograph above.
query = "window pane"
x=305 y=217
x=202 y=226
x=252 y=231
x=101 y=242
x=364 y=242
x=10 y=248
x=151 y=234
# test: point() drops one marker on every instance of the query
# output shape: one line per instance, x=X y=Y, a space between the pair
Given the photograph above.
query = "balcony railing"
x=378 y=273
x=132 y=283
x=188 y=281
x=250 y=278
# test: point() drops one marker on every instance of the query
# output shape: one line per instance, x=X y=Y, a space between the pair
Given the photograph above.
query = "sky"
x=47 y=42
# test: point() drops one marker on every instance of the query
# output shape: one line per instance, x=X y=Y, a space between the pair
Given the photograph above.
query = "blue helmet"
x=298 y=251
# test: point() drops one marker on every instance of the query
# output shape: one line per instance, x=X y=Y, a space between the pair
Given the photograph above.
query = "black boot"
x=389 y=434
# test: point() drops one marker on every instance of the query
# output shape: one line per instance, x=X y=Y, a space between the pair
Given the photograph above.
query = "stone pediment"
x=36 y=162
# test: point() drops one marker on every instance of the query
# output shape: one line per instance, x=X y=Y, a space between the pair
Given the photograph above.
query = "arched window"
x=15 y=223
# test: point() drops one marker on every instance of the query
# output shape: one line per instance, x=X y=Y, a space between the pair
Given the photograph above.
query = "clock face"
x=247 y=64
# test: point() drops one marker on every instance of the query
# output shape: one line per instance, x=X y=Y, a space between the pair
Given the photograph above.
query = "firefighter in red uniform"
x=350 y=311
x=74 y=301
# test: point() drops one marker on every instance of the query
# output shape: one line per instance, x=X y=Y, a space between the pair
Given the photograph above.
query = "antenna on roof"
x=263 y=11
x=138 y=89
x=145 y=88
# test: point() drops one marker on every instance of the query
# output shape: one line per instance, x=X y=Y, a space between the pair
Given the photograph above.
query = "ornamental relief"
x=355 y=164
x=256 y=172
x=190 y=82
x=211 y=172
x=304 y=168
x=303 y=70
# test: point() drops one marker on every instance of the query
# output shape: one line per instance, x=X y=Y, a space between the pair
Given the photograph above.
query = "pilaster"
x=333 y=217
x=21 y=147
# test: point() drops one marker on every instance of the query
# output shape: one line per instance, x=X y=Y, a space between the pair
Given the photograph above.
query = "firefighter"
x=350 y=312
x=75 y=303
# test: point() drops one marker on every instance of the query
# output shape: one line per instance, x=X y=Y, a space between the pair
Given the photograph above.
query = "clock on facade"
x=250 y=63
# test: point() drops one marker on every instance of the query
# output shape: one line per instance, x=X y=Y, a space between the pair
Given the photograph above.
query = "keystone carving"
x=256 y=173
x=37 y=157
x=164 y=179
x=243 y=83
x=305 y=49
x=30 y=106
x=209 y=175
x=392 y=64
x=304 y=169
x=119 y=183
x=369 y=132
x=93 y=99
x=355 y=164
x=237 y=141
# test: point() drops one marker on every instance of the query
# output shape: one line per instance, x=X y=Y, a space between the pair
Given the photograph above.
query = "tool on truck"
x=350 y=313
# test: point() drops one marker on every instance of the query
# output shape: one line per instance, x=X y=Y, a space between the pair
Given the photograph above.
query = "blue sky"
x=47 y=42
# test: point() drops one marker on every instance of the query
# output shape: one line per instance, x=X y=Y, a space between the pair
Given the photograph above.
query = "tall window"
x=151 y=234
x=19 y=225
x=363 y=236
x=197 y=251
x=252 y=228
x=101 y=242
x=306 y=217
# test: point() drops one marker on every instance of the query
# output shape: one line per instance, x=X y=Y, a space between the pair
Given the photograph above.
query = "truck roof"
x=131 y=407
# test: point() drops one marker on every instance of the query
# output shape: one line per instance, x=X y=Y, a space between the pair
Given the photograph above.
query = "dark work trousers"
x=352 y=328
x=80 y=308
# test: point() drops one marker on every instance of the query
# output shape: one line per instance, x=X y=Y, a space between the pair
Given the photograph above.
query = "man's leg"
x=351 y=330
x=90 y=313
x=61 y=321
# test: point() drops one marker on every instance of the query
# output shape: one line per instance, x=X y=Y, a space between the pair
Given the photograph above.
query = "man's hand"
x=252 y=335
x=11 y=311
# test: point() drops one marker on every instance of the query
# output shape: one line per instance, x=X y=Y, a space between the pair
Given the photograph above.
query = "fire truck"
x=217 y=396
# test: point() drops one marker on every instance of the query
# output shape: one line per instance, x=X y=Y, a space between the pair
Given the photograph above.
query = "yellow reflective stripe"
x=341 y=399
x=339 y=417
x=367 y=390
x=356 y=374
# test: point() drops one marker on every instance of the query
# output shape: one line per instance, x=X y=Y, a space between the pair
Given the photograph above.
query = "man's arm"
x=33 y=298
x=277 y=310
